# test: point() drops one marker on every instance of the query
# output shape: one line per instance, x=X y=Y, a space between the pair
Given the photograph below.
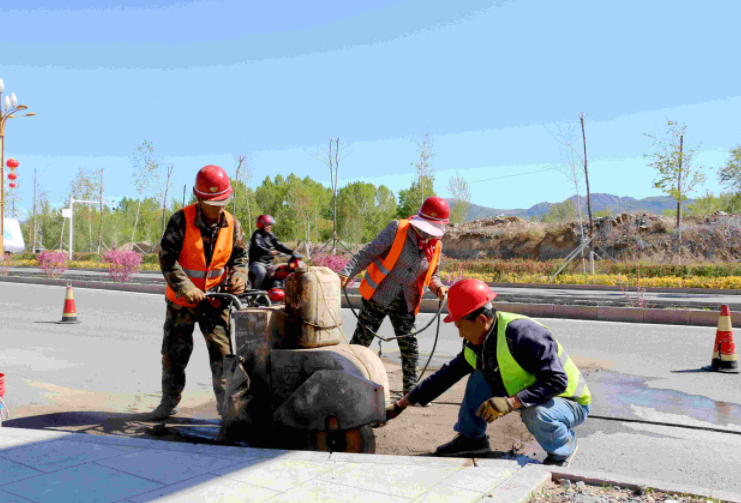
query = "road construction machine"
x=293 y=380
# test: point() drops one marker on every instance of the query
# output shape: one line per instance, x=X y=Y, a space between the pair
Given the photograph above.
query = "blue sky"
x=208 y=80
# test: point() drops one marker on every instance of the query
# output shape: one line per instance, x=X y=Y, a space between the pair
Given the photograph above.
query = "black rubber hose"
x=389 y=339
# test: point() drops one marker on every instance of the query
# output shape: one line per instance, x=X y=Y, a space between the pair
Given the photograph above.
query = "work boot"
x=163 y=411
x=462 y=446
x=551 y=460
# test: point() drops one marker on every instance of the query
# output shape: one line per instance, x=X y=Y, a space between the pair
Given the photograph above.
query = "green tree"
x=411 y=200
x=730 y=174
x=460 y=192
x=561 y=212
x=145 y=163
x=676 y=176
x=607 y=212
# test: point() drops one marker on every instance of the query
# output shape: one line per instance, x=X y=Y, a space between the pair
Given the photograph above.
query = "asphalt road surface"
x=97 y=375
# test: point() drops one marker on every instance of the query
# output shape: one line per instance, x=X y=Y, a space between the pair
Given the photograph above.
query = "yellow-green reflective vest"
x=515 y=378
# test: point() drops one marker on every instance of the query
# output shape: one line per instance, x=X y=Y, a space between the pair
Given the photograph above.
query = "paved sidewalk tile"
x=10 y=472
x=278 y=475
x=328 y=492
x=81 y=484
x=34 y=435
x=478 y=479
x=167 y=467
x=446 y=494
x=7 y=442
x=520 y=487
x=51 y=456
x=384 y=459
x=207 y=489
x=11 y=498
x=407 y=481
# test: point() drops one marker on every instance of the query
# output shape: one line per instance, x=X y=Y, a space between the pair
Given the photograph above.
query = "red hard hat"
x=435 y=209
x=466 y=296
x=264 y=220
x=212 y=185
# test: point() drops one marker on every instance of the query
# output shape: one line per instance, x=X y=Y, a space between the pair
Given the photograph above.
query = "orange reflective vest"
x=193 y=259
x=378 y=270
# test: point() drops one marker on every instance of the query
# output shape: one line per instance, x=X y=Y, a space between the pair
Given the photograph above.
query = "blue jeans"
x=549 y=422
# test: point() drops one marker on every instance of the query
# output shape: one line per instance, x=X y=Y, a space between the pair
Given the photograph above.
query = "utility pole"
x=589 y=199
x=35 y=188
x=184 y=187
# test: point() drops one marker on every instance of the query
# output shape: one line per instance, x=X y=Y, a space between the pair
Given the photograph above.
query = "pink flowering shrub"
x=454 y=276
x=122 y=264
x=334 y=262
x=52 y=263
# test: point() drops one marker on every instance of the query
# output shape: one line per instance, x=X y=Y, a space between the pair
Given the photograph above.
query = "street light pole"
x=11 y=106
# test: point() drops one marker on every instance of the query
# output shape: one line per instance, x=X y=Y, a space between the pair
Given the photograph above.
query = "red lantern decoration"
x=12 y=185
x=13 y=163
x=12 y=176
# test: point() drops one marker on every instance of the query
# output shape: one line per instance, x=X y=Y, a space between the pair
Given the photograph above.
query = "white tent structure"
x=13 y=237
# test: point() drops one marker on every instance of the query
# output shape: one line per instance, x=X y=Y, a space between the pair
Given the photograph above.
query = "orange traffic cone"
x=724 y=351
x=69 y=313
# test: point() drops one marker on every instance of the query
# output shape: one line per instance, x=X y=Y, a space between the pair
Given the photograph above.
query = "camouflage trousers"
x=372 y=315
x=177 y=346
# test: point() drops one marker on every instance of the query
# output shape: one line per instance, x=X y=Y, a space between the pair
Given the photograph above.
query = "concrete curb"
x=76 y=283
x=520 y=487
x=660 y=289
x=596 y=313
x=600 y=478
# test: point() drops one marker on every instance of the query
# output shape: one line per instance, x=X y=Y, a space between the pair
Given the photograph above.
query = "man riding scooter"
x=264 y=246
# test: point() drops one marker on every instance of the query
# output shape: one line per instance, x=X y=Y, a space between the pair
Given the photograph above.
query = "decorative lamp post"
x=10 y=106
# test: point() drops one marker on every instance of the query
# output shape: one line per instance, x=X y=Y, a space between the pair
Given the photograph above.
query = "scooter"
x=274 y=283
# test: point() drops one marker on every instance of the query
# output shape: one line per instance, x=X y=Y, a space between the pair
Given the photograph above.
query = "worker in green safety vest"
x=514 y=363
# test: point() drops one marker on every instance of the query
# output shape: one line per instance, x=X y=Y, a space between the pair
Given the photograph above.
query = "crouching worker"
x=201 y=244
x=401 y=261
x=514 y=363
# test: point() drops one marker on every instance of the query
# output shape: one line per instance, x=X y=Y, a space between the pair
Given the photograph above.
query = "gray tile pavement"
x=43 y=466
x=47 y=466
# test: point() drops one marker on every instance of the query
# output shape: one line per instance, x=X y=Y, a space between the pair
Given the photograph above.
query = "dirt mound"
x=624 y=237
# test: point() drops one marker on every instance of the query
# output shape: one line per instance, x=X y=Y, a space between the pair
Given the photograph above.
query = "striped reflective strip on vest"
x=381 y=268
x=202 y=274
x=370 y=282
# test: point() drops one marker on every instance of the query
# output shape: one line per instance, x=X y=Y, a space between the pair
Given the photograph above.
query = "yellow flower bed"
x=726 y=283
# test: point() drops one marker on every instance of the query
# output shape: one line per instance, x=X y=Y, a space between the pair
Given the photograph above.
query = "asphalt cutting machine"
x=293 y=381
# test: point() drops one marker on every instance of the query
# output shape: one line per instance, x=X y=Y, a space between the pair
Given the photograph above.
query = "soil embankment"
x=625 y=237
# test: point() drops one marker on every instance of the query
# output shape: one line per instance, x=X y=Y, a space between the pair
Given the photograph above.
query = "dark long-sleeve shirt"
x=533 y=348
x=262 y=243
x=412 y=263
x=172 y=244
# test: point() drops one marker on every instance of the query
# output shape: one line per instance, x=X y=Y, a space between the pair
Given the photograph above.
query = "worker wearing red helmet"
x=264 y=246
x=514 y=363
x=399 y=263
x=202 y=246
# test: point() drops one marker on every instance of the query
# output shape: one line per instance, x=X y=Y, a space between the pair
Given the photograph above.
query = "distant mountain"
x=616 y=204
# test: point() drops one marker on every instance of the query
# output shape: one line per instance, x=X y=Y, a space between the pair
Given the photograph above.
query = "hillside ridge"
x=600 y=201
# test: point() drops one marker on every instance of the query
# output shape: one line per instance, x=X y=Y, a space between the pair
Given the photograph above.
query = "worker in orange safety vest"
x=203 y=245
x=399 y=263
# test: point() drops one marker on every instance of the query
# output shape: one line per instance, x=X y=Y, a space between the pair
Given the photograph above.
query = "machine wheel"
x=360 y=440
